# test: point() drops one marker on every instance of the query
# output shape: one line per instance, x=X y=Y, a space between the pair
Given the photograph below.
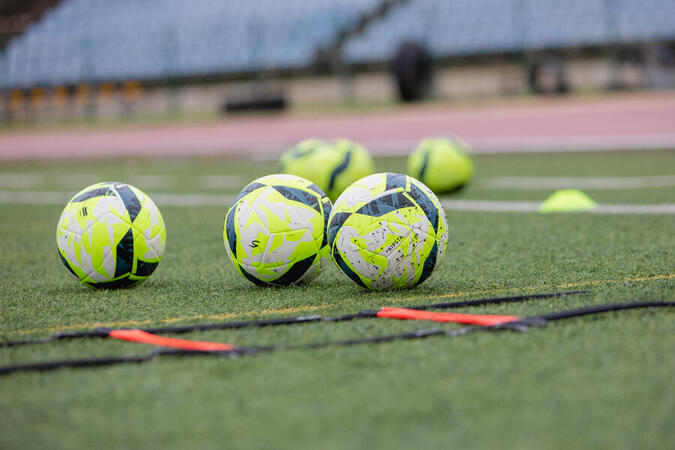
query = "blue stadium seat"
x=90 y=40
x=460 y=27
x=97 y=40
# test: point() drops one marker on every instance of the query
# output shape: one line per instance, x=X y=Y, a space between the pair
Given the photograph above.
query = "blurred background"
x=90 y=59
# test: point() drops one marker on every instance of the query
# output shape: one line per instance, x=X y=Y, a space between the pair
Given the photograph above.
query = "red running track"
x=613 y=122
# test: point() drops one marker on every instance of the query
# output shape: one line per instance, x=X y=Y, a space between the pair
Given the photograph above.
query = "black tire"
x=546 y=75
x=412 y=69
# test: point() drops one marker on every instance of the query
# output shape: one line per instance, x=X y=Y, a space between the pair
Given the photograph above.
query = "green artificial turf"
x=597 y=382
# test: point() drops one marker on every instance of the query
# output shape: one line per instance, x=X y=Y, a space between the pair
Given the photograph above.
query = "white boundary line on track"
x=60 y=198
x=655 y=181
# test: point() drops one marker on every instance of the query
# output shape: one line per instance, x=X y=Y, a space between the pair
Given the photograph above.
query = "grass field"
x=600 y=382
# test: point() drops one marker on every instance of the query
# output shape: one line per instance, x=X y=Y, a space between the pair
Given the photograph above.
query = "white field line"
x=35 y=197
x=77 y=181
x=664 y=208
x=144 y=182
x=656 y=181
x=20 y=180
x=60 y=198
x=223 y=181
x=153 y=181
x=489 y=206
x=525 y=144
x=554 y=144
x=193 y=199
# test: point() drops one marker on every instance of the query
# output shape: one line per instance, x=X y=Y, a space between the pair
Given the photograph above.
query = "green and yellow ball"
x=111 y=235
x=275 y=231
x=386 y=231
x=443 y=164
x=331 y=165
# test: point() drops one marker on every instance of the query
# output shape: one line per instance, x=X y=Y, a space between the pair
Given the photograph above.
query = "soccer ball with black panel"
x=443 y=164
x=332 y=165
x=386 y=231
x=111 y=235
x=275 y=231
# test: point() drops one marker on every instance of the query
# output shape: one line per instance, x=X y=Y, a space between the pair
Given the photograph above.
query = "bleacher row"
x=100 y=40
x=461 y=27
x=143 y=39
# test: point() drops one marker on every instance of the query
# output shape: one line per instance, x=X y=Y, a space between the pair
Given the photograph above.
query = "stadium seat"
x=98 y=40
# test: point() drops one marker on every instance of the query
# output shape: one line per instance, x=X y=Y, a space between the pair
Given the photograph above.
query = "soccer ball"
x=332 y=165
x=111 y=235
x=301 y=150
x=387 y=230
x=275 y=231
x=442 y=164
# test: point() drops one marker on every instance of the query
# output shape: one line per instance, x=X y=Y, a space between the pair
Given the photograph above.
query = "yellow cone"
x=567 y=200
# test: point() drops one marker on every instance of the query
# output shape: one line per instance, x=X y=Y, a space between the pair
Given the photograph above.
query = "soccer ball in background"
x=387 y=230
x=442 y=164
x=301 y=150
x=111 y=235
x=275 y=230
x=331 y=165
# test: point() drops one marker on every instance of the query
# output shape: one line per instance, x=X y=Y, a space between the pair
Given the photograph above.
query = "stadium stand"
x=144 y=39
x=81 y=41
x=460 y=27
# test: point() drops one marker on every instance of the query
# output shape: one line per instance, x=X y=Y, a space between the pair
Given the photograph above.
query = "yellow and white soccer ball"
x=387 y=230
x=275 y=231
x=111 y=235
x=443 y=164
x=331 y=165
